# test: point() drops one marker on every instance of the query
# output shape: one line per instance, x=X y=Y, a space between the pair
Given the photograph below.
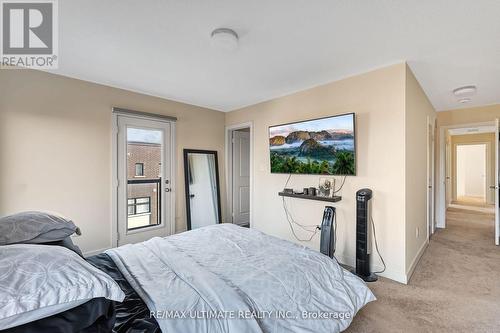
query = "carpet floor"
x=455 y=287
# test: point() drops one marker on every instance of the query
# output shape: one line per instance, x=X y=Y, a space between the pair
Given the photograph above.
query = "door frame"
x=441 y=204
x=229 y=169
x=114 y=167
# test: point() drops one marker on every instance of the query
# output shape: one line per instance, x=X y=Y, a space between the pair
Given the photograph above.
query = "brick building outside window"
x=144 y=181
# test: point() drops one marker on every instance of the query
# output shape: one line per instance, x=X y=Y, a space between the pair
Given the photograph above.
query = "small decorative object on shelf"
x=312 y=191
x=326 y=186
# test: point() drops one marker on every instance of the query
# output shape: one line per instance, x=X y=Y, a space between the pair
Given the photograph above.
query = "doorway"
x=239 y=150
x=469 y=174
x=143 y=148
x=471 y=169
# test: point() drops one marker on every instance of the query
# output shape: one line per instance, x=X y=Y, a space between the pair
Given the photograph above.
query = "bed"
x=221 y=278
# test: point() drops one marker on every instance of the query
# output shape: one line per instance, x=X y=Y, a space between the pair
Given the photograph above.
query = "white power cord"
x=376 y=246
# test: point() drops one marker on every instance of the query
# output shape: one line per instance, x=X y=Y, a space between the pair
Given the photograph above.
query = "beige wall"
x=55 y=147
x=489 y=140
x=378 y=100
x=419 y=113
x=468 y=116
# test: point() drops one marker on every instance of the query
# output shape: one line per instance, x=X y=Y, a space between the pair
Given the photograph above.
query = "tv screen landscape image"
x=323 y=146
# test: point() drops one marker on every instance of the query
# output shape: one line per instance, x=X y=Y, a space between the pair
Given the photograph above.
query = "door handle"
x=191 y=196
x=493 y=187
x=168 y=189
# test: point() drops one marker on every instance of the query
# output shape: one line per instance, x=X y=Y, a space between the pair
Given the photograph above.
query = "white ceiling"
x=163 y=47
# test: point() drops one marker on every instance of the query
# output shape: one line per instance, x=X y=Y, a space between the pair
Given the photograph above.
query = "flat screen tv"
x=325 y=146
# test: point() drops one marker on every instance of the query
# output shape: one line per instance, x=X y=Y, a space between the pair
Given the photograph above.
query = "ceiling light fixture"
x=465 y=91
x=464 y=100
x=226 y=39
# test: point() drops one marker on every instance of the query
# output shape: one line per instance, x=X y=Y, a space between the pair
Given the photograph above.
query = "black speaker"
x=363 y=233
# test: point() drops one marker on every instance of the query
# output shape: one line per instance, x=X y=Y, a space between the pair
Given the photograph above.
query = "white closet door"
x=241 y=177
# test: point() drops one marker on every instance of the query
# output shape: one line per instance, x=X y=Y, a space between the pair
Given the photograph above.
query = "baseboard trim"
x=415 y=261
x=388 y=273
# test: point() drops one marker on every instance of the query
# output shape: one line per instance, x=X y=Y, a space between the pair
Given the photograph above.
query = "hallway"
x=455 y=287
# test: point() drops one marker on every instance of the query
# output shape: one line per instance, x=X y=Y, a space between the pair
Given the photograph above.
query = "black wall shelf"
x=310 y=197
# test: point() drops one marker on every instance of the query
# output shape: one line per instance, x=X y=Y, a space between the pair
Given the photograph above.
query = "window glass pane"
x=141 y=209
x=142 y=200
x=131 y=210
x=144 y=157
x=139 y=169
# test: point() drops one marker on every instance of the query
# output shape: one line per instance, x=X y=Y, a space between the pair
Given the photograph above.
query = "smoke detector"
x=225 y=39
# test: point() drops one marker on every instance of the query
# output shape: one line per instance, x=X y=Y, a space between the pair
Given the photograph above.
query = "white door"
x=241 y=177
x=144 y=179
x=448 y=166
x=430 y=180
x=497 y=184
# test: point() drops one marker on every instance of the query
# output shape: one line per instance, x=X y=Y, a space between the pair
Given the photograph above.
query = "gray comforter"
x=225 y=278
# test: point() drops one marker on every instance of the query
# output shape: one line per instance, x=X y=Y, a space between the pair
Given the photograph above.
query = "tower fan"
x=363 y=233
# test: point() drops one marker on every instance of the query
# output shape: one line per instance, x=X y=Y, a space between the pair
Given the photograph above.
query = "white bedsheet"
x=225 y=278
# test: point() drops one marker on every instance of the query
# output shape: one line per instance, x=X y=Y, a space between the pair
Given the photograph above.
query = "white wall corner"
x=416 y=259
x=397 y=276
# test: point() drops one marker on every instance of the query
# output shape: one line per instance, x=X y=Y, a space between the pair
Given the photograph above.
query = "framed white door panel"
x=496 y=186
x=430 y=178
x=144 y=168
x=241 y=177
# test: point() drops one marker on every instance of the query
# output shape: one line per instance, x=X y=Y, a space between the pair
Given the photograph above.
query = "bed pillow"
x=35 y=228
x=38 y=281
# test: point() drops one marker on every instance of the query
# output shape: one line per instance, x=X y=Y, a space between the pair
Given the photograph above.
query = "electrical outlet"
x=417 y=232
